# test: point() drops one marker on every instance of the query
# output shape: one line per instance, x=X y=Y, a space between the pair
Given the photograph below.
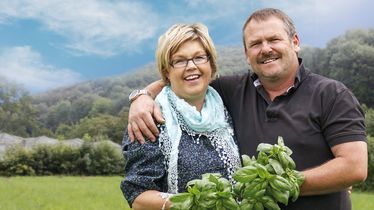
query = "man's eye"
x=254 y=44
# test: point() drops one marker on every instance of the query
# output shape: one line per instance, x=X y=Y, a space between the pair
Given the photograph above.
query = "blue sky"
x=46 y=44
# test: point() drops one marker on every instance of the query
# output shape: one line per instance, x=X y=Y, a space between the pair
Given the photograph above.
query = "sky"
x=45 y=44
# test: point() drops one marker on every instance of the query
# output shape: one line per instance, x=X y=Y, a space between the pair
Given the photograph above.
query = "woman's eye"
x=179 y=61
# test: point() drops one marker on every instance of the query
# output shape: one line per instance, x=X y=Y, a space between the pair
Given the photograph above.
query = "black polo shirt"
x=312 y=116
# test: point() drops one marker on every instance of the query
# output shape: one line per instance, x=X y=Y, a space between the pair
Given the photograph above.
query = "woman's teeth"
x=192 y=77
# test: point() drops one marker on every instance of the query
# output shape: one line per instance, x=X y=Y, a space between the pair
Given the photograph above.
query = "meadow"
x=86 y=193
x=61 y=193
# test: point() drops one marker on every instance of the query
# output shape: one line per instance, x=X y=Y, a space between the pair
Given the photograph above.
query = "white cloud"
x=25 y=66
x=96 y=27
x=210 y=11
x=325 y=12
x=320 y=10
x=109 y=28
x=318 y=21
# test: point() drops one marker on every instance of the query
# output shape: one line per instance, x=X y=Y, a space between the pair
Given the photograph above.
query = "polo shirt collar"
x=299 y=76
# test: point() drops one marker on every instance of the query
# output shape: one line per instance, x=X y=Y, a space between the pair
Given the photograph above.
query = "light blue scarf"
x=212 y=122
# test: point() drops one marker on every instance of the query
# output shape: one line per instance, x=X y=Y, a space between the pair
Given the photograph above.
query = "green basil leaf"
x=276 y=166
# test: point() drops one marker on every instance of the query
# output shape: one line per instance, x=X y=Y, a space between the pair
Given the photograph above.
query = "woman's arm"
x=151 y=200
x=144 y=171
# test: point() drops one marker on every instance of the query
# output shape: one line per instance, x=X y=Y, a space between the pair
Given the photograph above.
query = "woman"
x=196 y=138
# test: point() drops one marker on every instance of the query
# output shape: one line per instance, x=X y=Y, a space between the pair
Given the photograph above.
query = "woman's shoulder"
x=127 y=144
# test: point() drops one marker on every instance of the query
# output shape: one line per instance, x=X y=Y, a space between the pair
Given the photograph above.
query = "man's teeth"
x=192 y=77
x=269 y=60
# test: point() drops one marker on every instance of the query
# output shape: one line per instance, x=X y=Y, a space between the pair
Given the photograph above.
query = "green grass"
x=86 y=193
x=57 y=193
x=362 y=201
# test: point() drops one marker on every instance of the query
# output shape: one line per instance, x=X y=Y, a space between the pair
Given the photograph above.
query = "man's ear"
x=296 y=43
x=246 y=56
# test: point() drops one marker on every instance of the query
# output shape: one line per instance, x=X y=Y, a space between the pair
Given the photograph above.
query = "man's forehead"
x=269 y=19
x=272 y=25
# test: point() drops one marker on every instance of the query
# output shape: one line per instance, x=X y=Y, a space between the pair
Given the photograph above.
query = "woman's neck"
x=198 y=103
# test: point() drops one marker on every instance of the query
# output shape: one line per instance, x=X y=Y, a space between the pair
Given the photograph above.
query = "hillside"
x=230 y=61
x=97 y=109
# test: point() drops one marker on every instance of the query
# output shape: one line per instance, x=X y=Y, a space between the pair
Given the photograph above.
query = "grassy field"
x=61 y=193
x=362 y=201
x=85 y=193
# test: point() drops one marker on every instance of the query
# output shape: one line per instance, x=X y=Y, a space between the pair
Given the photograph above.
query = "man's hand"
x=141 y=122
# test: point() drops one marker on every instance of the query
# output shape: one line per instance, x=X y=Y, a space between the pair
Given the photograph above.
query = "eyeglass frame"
x=191 y=59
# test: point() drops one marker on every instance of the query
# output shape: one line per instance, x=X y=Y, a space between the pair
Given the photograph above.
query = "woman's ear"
x=167 y=77
x=213 y=76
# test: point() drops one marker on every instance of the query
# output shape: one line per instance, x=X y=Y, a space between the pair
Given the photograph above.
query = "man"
x=319 y=118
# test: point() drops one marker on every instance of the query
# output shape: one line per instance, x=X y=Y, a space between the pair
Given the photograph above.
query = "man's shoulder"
x=318 y=81
x=232 y=79
x=321 y=82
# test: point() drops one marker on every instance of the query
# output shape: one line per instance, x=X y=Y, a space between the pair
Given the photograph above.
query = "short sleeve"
x=144 y=168
x=343 y=119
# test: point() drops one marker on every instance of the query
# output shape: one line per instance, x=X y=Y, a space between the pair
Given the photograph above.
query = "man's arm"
x=142 y=112
x=347 y=168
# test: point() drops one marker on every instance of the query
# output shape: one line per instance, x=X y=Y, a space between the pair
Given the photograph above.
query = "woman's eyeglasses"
x=197 y=60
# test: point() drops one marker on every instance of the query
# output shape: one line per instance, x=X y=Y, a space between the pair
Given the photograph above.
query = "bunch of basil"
x=261 y=183
x=210 y=192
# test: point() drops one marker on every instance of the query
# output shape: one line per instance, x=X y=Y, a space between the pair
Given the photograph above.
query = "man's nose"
x=266 y=47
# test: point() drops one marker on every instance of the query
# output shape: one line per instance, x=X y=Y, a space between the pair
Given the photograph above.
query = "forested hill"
x=100 y=106
x=97 y=109
x=231 y=60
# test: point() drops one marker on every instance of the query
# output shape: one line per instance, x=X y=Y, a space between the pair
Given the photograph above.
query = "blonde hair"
x=174 y=37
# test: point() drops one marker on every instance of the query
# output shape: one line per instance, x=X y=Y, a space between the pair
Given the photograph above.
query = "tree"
x=81 y=107
x=350 y=59
x=64 y=131
x=59 y=113
x=17 y=114
x=101 y=106
x=369 y=120
x=100 y=126
x=312 y=59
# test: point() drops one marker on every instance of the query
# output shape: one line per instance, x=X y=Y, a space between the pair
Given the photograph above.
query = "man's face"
x=269 y=50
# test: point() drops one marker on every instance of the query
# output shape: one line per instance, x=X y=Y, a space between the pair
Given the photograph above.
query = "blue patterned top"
x=145 y=165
